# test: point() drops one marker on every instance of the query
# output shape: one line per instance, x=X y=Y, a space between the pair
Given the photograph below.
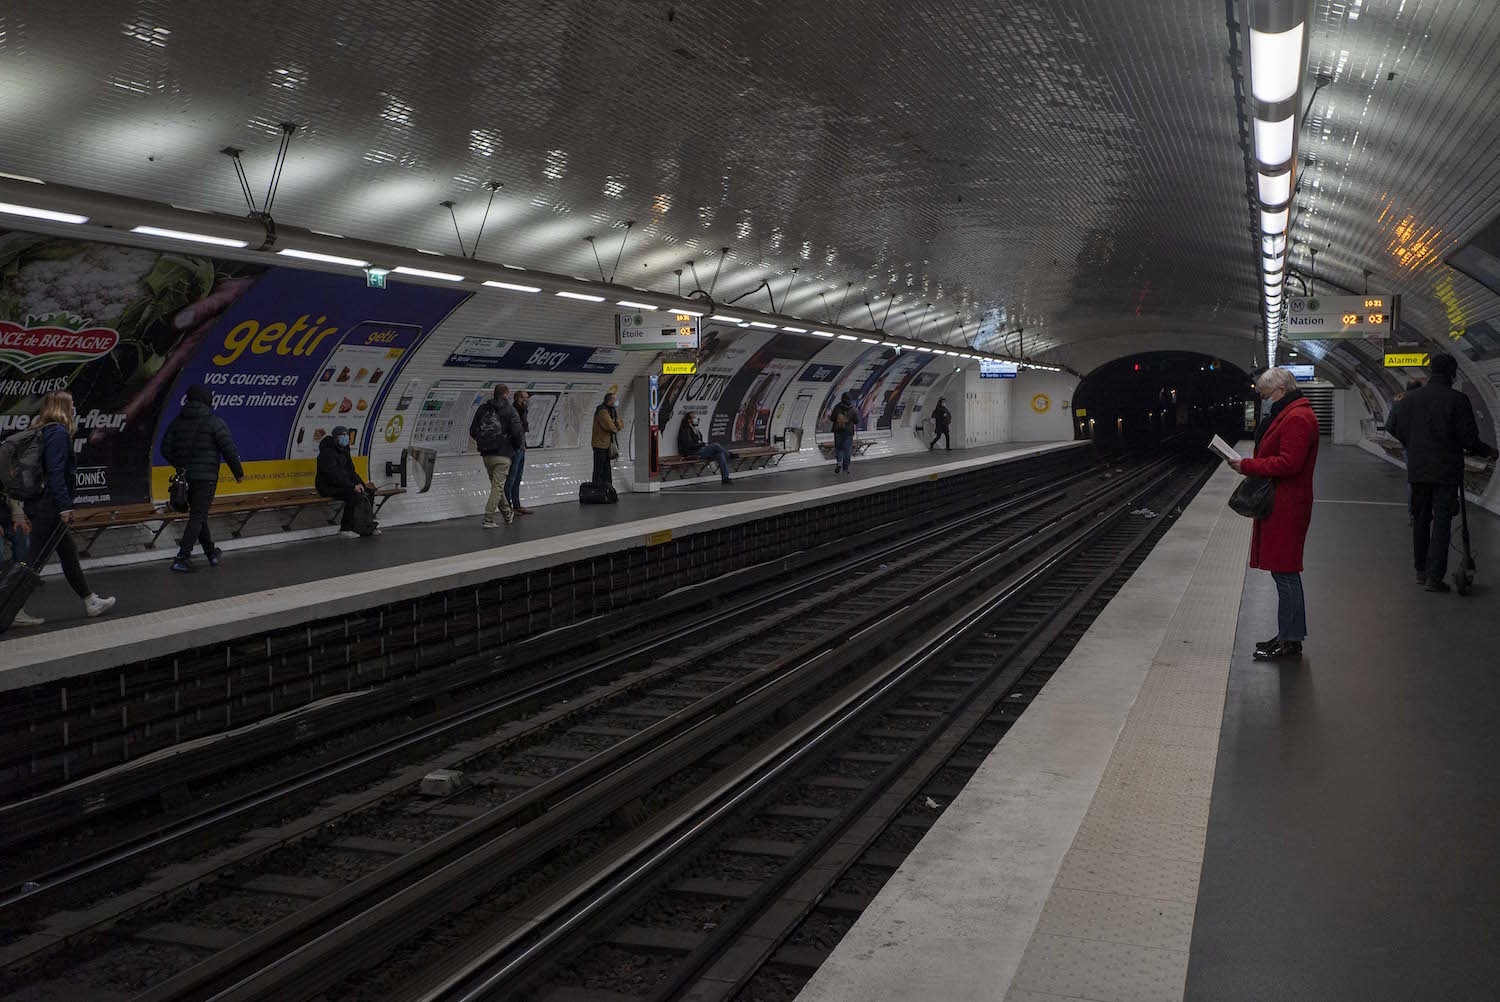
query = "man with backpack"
x=498 y=434
x=844 y=419
x=195 y=443
x=942 y=419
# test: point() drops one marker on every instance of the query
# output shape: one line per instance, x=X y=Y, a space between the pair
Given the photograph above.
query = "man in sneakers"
x=690 y=444
x=337 y=478
x=195 y=443
x=497 y=434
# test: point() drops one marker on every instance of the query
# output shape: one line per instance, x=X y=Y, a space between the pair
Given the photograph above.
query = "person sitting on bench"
x=337 y=478
x=691 y=445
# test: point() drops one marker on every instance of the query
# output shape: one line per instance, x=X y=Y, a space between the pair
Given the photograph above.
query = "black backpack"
x=21 y=470
x=489 y=434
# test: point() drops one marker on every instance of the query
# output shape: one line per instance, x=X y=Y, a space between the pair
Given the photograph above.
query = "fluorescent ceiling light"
x=762 y=325
x=966 y=355
x=22 y=177
x=442 y=276
x=1273 y=222
x=1273 y=141
x=324 y=258
x=197 y=238
x=512 y=286
x=423 y=250
x=635 y=306
x=823 y=333
x=582 y=296
x=847 y=337
x=727 y=318
x=868 y=340
x=686 y=313
x=1275 y=189
x=908 y=347
x=321 y=233
x=48 y=214
x=796 y=330
x=921 y=348
x=890 y=344
x=1275 y=64
x=1271 y=246
x=512 y=267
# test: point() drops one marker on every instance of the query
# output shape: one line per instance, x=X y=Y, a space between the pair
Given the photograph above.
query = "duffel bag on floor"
x=592 y=493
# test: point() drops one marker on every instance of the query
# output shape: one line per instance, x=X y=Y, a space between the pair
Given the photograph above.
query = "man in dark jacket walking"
x=196 y=442
x=942 y=419
x=1436 y=425
x=498 y=434
x=337 y=478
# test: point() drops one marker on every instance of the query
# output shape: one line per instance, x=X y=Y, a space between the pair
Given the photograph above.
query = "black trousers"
x=200 y=498
x=1433 y=507
x=350 y=497
x=44 y=519
x=602 y=472
x=942 y=434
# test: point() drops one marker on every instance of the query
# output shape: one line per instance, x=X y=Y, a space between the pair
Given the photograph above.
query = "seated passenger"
x=691 y=445
x=338 y=479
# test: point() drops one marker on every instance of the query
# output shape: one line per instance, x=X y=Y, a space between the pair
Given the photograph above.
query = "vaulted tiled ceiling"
x=1066 y=166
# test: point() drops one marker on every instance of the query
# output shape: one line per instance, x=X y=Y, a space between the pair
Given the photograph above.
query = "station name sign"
x=1316 y=318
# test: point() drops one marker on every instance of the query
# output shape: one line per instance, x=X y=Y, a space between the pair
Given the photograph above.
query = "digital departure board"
x=1311 y=318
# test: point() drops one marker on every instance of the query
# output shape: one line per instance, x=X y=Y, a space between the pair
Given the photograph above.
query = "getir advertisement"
x=127 y=330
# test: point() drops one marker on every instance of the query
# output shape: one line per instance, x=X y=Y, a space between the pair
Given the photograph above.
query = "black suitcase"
x=20 y=580
x=592 y=493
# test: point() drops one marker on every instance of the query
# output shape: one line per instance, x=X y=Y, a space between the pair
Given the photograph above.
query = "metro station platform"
x=1170 y=819
x=279 y=585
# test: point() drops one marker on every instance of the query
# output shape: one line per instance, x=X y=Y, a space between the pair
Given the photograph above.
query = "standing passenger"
x=1436 y=425
x=518 y=461
x=59 y=421
x=195 y=442
x=606 y=446
x=497 y=432
x=844 y=419
x=1286 y=450
x=941 y=419
x=1390 y=429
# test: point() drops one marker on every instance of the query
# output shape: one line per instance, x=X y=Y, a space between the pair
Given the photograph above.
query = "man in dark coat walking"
x=196 y=442
x=1436 y=424
x=942 y=419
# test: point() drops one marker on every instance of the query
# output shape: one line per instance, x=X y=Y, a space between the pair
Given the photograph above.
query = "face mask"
x=343 y=441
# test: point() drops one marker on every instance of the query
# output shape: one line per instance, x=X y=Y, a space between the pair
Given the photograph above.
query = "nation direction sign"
x=1316 y=318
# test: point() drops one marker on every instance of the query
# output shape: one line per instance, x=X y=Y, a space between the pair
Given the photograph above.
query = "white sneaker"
x=490 y=523
x=24 y=618
x=376 y=532
x=96 y=606
x=348 y=534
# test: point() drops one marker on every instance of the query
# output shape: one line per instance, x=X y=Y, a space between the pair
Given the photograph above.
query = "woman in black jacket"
x=337 y=478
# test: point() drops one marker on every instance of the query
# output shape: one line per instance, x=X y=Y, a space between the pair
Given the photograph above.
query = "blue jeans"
x=714 y=452
x=20 y=545
x=843 y=451
x=513 y=479
x=1291 y=609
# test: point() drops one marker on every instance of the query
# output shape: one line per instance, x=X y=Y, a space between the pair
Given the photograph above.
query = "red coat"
x=1288 y=452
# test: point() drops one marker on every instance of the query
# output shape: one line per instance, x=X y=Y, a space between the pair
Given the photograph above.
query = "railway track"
x=279 y=885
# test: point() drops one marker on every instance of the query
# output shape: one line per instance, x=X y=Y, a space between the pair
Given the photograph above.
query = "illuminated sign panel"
x=656 y=330
x=1304 y=373
x=1311 y=318
x=1407 y=360
x=994 y=368
x=679 y=368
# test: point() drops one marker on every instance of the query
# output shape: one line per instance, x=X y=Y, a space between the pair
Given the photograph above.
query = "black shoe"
x=182 y=566
x=1440 y=587
x=1421 y=578
x=214 y=556
x=1281 y=650
x=1266 y=645
x=726 y=480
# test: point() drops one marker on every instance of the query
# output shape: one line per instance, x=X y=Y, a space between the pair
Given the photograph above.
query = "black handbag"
x=177 y=492
x=1254 y=497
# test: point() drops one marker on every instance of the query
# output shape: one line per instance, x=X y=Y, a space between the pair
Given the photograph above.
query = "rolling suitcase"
x=21 y=578
x=1463 y=575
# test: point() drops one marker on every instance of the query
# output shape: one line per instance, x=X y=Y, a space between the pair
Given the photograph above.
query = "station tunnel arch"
x=1144 y=399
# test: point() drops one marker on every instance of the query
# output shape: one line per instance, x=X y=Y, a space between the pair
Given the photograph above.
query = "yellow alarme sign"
x=679 y=368
x=1407 y=360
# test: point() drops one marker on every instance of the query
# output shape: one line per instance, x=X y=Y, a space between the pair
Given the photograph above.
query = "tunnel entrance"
x=1180 y=397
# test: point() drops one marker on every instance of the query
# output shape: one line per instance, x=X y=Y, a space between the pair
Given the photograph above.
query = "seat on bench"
x=686 y=468
x=860 y=445
x=95 y=521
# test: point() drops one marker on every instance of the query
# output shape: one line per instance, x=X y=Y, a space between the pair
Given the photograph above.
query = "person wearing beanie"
x=338 y=478
x=196 y=442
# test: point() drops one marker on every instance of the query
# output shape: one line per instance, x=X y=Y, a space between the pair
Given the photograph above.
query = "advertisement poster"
x=724 y=352
x=114 y=326
x=877 y=382
x=284 y=363
x=744 y=408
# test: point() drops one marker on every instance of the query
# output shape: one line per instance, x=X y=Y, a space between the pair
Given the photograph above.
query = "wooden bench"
x=686 y=468
x=860 y=445
x=94 y=521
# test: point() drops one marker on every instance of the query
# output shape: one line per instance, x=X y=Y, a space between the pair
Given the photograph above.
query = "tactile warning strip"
x=1119 y=920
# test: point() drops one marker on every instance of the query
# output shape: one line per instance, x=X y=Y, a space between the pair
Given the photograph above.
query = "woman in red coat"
x=1286 y=450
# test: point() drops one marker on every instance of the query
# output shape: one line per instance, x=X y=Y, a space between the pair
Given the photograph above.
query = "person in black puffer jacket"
x=195 y=443
x=337 y=478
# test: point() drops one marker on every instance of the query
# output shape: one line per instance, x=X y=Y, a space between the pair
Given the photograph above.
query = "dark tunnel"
x=1169 y=397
